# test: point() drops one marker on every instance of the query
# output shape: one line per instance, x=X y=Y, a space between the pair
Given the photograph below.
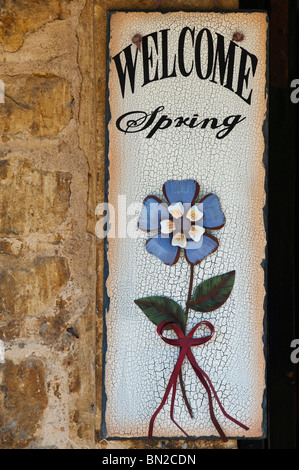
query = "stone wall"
x=52 y=62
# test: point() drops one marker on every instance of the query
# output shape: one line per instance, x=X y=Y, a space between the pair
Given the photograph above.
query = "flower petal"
x=180 y=240
x=213 y=217
x=194 y=214
x=161 y=247
x=181 y=191
x=196 y=233
x=196 y=252
x=153 y=211
x=176 y=210
x=167 y=227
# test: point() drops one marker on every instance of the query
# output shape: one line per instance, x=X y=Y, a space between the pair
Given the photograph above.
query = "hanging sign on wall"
x=185 y=251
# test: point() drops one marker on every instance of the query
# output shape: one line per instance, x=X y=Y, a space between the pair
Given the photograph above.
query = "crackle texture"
x=138 y=363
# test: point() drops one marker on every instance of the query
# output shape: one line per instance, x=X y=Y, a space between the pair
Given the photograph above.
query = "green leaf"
x=159 y=309
x=213 y=293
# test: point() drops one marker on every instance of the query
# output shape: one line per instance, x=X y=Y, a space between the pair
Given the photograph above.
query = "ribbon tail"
x=220 y=405
x=202 y=379
x=171 y=384
x=153 y=418
x=172 y=409
x=206 y=382
x=212 y=415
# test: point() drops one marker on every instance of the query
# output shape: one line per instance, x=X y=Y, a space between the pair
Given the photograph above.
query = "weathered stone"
x=20 y=16
x=166 y=444
x=23 y=400
x=51 y=328
x=7 y=247
x=53 y=331
x=37 y=103
x=31 y=200
x=27 y=289
x=74 y=381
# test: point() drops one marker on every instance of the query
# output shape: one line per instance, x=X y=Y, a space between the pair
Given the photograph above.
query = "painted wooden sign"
x=186 y=151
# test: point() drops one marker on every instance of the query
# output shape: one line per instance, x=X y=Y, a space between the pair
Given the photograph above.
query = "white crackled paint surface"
x=138 y=363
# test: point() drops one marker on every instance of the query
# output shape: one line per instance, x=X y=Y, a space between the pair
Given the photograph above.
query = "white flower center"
x=167 y=227
x=176 y=210
x=180 y=240
x=181 y=229
x=196 y=233
x=194 y=214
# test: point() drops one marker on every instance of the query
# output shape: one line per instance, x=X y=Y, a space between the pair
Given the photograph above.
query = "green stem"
x=180 y=374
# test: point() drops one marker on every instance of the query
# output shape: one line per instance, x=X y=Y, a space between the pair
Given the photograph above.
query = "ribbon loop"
x=183 y=340
x=185 y=343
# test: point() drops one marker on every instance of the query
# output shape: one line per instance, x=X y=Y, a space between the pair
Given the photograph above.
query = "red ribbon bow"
x=185 y=343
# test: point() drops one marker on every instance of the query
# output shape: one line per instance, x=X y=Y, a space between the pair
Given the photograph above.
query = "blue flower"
x=182 y=224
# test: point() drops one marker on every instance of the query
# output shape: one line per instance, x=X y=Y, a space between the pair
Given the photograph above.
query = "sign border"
x=106 y=300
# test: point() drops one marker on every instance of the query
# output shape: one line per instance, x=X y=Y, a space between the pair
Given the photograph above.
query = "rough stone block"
x=31 y=200
x=23 y=400
x=29 y=289
x=39 y=103
x=21 y=16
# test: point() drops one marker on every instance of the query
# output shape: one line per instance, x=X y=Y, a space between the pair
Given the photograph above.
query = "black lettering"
x=225 y=62
x=165 y=73
x=204 y=123
x=163 y=123
x=130 y=68
x=137 y=122
x=213 y=60
x=193 y=121
x=199 y=54
x=244 y=75
x=180 y=121
x=181 y=57
x=148 y=58
x=230 y=123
